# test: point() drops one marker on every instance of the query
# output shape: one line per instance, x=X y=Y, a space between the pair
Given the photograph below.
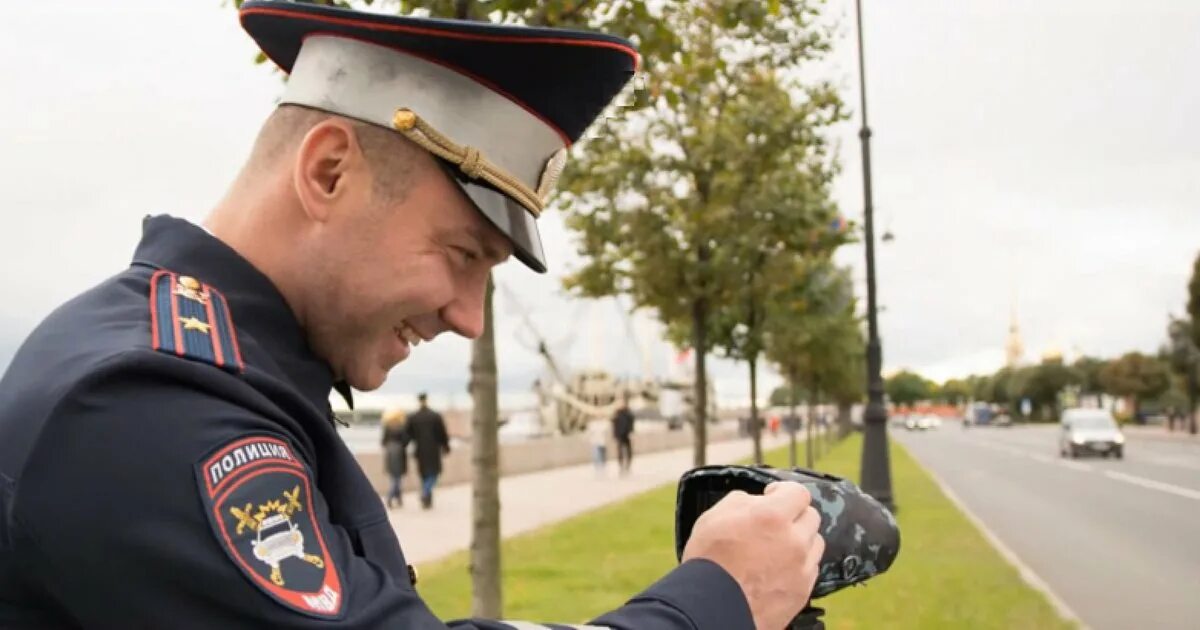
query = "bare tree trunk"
x=700 y=399
x=755 y=426
x=485 y=467
x=1193 y=394
x=792 y=422
x=486 y=600
x=808 y=431
x=843 y=419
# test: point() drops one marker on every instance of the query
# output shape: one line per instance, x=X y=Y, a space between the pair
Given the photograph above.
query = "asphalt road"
x=1118 y=541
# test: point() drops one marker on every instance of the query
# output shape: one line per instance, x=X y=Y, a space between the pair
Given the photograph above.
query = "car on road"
x=922 y=423
x=1090 y=431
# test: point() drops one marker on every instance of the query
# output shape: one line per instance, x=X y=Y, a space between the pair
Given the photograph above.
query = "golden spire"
x=1014 y=349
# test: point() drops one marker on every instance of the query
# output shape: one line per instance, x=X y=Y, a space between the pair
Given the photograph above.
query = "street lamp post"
x=876 y=474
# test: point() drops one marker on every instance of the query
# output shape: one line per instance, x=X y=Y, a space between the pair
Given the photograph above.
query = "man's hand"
x=769 y=544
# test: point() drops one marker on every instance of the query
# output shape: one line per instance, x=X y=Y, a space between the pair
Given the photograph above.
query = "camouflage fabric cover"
x=862 y=538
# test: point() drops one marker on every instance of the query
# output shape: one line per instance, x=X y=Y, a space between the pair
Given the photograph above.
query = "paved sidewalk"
x=1161 y=434
x=534 y=500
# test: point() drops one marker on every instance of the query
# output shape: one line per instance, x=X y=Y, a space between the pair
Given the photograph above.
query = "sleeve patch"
x=258 y=498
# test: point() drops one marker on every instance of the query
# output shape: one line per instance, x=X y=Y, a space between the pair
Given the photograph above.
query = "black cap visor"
x=510 y=217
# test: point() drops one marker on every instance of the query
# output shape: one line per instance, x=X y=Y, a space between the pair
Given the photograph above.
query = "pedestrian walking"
x=622 y=424
x=427 y=430
x=395 y=454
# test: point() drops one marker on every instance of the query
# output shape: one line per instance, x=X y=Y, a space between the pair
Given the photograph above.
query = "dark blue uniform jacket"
x=168 y=459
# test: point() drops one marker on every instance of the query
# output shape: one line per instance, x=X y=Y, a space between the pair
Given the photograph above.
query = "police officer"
x=167 y=451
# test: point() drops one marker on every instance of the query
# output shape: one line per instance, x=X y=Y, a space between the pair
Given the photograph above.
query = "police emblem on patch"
x=258 y=497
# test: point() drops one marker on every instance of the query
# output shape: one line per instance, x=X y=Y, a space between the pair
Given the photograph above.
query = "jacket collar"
x=257 y=307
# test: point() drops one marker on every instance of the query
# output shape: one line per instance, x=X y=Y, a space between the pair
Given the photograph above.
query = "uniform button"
x=189 y=283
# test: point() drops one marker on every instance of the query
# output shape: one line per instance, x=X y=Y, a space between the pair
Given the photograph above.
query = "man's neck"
x=240 y=221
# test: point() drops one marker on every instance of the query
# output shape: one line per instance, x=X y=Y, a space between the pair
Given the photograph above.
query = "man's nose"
x=465 y=314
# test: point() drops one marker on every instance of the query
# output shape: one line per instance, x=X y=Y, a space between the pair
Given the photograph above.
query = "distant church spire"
x=1014 y=349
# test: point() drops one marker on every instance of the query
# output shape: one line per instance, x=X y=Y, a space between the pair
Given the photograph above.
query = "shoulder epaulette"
x=191 y=319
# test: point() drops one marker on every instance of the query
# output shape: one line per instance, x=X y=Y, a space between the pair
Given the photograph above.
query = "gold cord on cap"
x=473 y=164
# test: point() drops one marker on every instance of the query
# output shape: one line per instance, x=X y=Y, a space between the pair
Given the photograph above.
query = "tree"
x=954 y=392
x=1136 y=375
x=765 y=260
x=781 y=396
x=810 y=328
x=1193 y=309
x=1184 y=357
x=653 y=200
x=905 y=388
x=844 y=375
x=1002 y=391
x=1088 y=369
x=1043 y=383
x=485 y=470
x=1193 y=304
x=1176 y=396
x=830 y=341
x=982 y=388
x=777 y=213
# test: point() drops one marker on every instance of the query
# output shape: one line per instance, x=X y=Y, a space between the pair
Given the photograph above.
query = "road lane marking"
x=1169 y=488
x=1027 y=574
x=1176 y=462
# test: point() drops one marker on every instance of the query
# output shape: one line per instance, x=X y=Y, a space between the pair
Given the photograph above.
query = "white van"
x=1090 y=431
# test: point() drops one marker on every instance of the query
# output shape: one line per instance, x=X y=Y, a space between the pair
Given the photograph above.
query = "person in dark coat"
x=427 y=429
x=395 y=453
x=623 y=433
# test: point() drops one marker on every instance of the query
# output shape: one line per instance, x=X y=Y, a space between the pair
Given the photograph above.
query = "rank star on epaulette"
x=191 y=323
x=191 y=319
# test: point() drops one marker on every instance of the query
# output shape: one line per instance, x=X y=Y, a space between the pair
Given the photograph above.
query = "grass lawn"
x=947 y=576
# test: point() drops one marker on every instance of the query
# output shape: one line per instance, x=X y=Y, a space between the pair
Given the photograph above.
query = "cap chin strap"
x=474 y=165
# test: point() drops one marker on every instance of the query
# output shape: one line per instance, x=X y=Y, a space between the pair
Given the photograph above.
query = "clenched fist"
x=770 y=546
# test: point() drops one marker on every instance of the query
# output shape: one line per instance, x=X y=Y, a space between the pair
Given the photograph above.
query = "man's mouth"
x=407 y=334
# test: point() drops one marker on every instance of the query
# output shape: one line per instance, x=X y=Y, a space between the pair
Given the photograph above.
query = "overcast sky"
x=1042 y=153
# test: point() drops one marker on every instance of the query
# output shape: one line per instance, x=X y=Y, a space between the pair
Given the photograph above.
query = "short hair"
x=391 y=157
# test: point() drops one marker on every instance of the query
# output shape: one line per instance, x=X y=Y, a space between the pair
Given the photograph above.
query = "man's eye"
x=467 y=255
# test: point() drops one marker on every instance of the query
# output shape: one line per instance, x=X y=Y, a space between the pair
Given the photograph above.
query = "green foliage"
x=1002 y=391
x=1135 y=374
x=954 y=391
x=1176 y=395
x=782 y=396
x=1193 y=304
x=982 y=388
x=812 y=336
x=1088 y=369
x=906 y=388
x=723 y=135
x=1180 y=350
x=721 y=143
x=1043 y=383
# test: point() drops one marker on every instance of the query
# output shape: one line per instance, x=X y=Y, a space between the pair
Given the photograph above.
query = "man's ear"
x=327 y=161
